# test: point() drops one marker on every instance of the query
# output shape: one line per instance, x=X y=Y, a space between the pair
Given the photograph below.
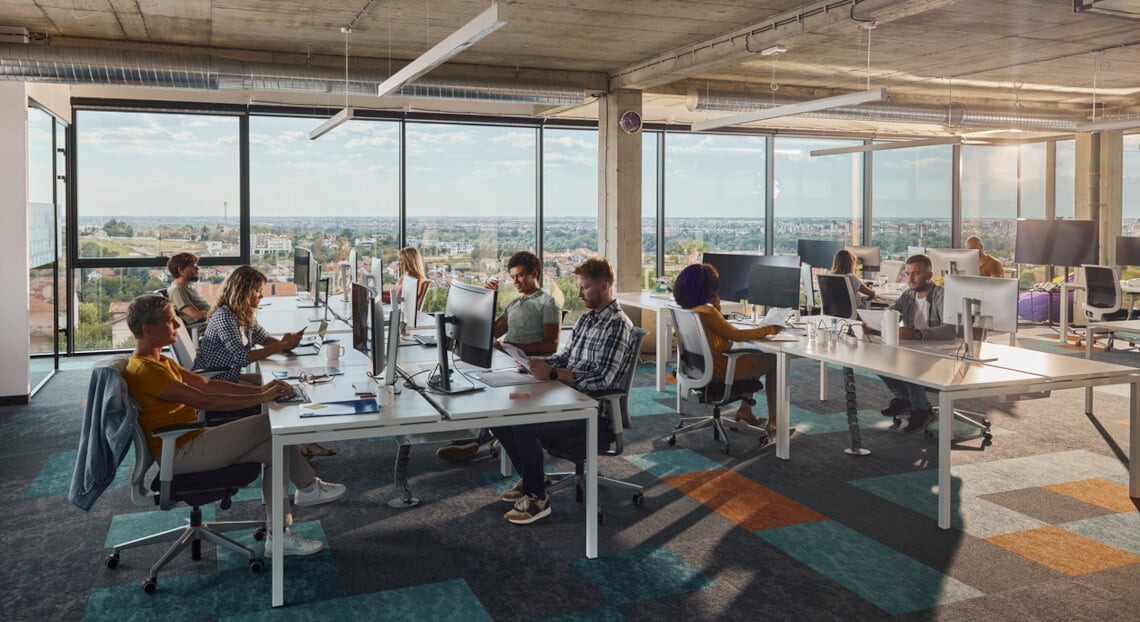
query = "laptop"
x=317 y=339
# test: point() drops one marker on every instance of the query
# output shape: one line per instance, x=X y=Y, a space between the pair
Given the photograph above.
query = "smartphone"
x=302 y=331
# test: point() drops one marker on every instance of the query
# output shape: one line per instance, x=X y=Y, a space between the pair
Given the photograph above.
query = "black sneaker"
x=458 y=450
x=898 y=407
x=529 y=509
x=514 y=493
x=919 y=419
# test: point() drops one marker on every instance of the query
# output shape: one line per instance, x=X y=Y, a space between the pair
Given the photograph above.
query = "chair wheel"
x=724 y=450
x=149 y=586
x=112 y=560
x=259 y=535
x=672 y=440
x=256 y=565
x=896 y=423
x=639 y=499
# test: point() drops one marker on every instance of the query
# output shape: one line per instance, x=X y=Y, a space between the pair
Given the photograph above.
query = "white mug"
x=891 y=327
x=333 y=352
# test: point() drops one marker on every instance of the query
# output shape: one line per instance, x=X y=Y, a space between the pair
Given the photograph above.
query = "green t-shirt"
x=526 y=316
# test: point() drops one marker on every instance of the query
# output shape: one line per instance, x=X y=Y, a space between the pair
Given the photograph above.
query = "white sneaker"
x=294 y=544
x=320 y=492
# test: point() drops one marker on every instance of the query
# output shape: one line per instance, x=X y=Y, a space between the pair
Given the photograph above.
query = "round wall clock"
x=630 y=122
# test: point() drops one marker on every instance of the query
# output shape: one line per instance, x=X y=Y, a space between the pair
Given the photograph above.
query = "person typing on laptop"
x=532 y=322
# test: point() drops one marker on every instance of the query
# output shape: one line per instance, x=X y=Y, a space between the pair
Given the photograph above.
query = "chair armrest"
x=168 y=435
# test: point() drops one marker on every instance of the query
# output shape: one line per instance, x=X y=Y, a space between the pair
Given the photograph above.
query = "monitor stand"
x=440 y=380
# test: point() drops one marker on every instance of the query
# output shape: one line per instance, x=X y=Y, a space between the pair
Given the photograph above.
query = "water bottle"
x=834 y=330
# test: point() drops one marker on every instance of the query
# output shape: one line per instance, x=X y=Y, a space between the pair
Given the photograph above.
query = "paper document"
x=347 y=407
x=873 y=318
x=517 y=355
x=775 y=316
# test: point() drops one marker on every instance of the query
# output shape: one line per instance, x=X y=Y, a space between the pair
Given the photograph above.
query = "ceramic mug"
x=333 y=352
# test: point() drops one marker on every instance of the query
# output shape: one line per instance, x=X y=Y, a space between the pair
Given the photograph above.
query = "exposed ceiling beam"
x=747 y=43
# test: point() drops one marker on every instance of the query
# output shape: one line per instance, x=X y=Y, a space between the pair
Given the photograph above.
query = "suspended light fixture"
x=344 y=115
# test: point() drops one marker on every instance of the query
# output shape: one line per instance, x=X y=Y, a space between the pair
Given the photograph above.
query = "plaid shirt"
x=225 y=344
x=600 y=344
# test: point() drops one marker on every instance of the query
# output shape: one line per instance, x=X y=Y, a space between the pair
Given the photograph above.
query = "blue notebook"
x=346 y=407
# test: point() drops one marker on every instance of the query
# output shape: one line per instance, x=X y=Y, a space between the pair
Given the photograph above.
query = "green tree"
x=118 y=229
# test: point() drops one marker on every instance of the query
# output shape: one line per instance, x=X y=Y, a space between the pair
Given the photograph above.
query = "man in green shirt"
x=190 y=306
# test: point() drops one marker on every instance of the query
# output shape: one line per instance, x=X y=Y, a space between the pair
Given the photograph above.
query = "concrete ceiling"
x=1022 y=56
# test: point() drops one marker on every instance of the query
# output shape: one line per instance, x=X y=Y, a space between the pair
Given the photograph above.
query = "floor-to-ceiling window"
x=818 y=198
x=650 y=198
x=43 y=247
x=569 y=210
x=989 y=198
x=1066 y=178
x=332 y=195
x=911 y=195
x=1130 y=195
x=714 y=196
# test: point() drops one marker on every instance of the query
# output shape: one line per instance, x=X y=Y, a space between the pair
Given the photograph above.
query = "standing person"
x=600 y=344
x=169 y=395
x=411 y=264
x=987 y=264
x=920 y=308
x=532 y=322
x=696 y=289
x=844 y=263
x=190 y=306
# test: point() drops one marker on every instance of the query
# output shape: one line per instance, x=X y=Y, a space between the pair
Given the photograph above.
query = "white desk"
x=412 y=414
x=658 y=303
x=1014 y=371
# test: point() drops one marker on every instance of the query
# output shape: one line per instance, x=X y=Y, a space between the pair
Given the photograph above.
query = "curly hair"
x=696 y=285
x=145 y=309
x=236 y=290
x=529 y=262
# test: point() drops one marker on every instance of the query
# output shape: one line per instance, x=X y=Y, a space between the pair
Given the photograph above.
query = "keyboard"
x=312 y=372
x=424 y=340
x=300 y=396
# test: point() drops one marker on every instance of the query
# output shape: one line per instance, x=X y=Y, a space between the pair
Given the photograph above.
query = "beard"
x=192 y=279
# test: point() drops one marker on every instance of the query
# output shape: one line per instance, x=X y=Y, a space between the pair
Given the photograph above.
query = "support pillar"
x=1098 y=186
x=619 y=189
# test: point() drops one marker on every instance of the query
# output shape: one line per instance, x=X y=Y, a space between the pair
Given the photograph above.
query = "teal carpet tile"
x=640 y=574
x=649 y=401
x=186 y=598
x=55 y=476
x=135 y=525
x=1121 y=531
x=808 y=422
x=500 y=484
x=673 y=462
x=606 y=614
x=433 y=602
x=883 y=576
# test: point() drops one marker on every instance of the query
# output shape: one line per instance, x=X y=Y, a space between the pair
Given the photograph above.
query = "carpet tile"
x=605 y=614
x=1121 y=531
x=126 y=527
x=55 y=476
x=1045 y=505
x=640 y=574
x=887 y=578
x=673 y=462
x=742 y=500
x=1111 y=496
x=1064 y=551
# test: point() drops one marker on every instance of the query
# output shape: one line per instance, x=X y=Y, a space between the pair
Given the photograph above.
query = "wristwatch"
x=553 y=373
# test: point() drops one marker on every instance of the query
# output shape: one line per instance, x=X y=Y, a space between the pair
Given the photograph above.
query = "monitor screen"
x=836 y=296
x=998 y=298
x=945 y=261
x=818 y=253
x=315 y=282
x=349 y=271
x=774 y=286
x=867 y=257
x=408 y=299
x=734 y=270
x=376 y=334
x=361 y=316
x=470 y=320
x=301 y=261
x=1127 y=251
x=377 y=273
x=1056 y=242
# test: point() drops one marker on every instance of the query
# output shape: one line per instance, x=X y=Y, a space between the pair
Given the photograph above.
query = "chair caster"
x=639 y=499
x=672 y=440
x=896 y=423
x=256 y=565
x=149 y=586
x=112 y=561
x=259 y=535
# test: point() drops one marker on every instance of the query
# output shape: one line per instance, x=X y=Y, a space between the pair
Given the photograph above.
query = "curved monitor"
x=301 y=260
x=997 y=301
x=944 y=261
x=734 y=270
x=774 y=287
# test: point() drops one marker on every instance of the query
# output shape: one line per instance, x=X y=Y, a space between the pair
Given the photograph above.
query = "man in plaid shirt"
x=600 y=344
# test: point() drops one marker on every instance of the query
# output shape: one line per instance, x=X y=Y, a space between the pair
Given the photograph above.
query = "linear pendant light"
x=815 y=105
x=487 y=22
x=345 y=114
x=903 y=144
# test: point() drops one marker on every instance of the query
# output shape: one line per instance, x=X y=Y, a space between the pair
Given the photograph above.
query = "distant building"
x=266 y=243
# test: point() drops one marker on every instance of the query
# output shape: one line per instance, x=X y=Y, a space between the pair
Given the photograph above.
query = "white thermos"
x=891 y=327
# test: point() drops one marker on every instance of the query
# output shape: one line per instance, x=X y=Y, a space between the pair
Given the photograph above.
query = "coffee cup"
x=333 y=352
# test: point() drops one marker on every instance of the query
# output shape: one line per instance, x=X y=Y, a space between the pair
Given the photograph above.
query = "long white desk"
x=415 y=414
x=1014 y=371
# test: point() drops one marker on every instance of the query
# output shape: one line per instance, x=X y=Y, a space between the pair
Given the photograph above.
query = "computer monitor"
x=992 y=301
x=348 y=273
x=377 y=273
x=1127 y=251
x=467 y=327
x=808 y=287
x=945 y=261
x=818 y=253
x=384 y=347
x=734 y=270
x=774 y=287
x=361 y=315
x=867 y=257
x=1056 y=242
x=409 y=308
x=914 y=250
x=302 y=278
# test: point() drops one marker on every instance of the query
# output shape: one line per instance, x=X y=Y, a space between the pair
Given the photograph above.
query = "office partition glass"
x=157 y=183
x=42 y=246
x=569 y=212
x=911 y=199
x=333 y=195
x=817 y=198
x=714 y=196
x=470 y=200
x=989 y=198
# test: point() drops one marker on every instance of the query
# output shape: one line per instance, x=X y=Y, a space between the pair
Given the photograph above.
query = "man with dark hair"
x=600 y=346
x=920 y=308
x=188 y=303
x=532 y=322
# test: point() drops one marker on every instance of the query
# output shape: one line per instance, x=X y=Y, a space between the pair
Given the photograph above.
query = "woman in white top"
x=844 y=264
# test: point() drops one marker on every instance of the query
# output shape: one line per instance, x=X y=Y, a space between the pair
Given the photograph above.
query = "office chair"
x=837 y=297
x=185 y=350
x=613 y=419
x=695 y=375
x=1103 y=298
x=167 y=490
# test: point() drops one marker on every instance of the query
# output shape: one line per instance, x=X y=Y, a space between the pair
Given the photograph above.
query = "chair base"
x=192 y=535
x=716 y=422
x=578 y=479
x=972 y=419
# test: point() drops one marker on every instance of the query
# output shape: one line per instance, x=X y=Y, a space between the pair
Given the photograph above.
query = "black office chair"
x=695 y=377
x=837 y=297
x=613 y=419
x=167 y=490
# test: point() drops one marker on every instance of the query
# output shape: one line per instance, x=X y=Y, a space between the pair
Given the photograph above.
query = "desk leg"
x=506 y=469
x=663 y=342
x=592 y=485
x=1089 y=338
x=945 y=435
x=1134 y=443
x=783 y=406
x=822 y=381
x=1064 y=338
x=277 y=523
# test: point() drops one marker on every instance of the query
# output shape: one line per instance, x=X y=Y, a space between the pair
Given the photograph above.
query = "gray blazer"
x=905 y=306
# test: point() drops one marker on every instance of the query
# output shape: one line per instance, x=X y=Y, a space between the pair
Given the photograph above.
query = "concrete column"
x=1098 y=185
x=15 y=382
x=619 y=189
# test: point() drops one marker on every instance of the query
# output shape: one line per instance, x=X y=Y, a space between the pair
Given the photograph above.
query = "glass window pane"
x=157 y=184
x=911 y=197
x=714 y=196
x=817 y=198
x=989 y=198
x=569 y=211
x=1033 y=180
x=332 y=195
x=1066 y=178
x=470 y=200
x=41 y=236
x=649 y=186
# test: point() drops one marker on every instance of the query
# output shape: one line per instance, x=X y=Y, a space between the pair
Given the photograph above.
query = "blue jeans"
x=908 y=391
x=523 y=444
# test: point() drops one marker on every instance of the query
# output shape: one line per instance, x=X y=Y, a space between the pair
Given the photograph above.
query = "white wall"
x=14 y=345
